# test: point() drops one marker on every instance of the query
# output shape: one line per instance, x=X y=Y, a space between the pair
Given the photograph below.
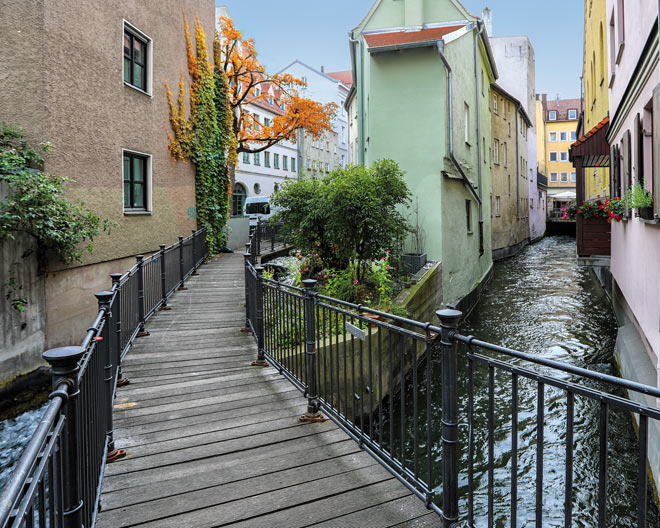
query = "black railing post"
x=246 y=258
x=449 y=324
x=181 y=272
x=259 y=330
x=64 y=364
x=105 y=298
x=194 y=252
x=163 y=279
x=140 y=299
x=116 y=277
x=257 y=233
x=312 y=414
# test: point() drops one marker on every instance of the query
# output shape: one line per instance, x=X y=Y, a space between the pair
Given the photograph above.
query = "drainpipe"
x=358 y=83
x=479 y=154
x=466 y=181
x=517 y=168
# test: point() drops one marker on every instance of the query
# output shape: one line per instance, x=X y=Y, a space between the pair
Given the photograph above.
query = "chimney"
x=322 y=68
x=487 y=17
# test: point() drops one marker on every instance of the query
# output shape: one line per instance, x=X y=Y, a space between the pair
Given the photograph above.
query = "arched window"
x=238 y=199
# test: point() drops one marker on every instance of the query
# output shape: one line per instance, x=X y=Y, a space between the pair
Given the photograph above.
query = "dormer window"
x=552 y=115
x=572 y=114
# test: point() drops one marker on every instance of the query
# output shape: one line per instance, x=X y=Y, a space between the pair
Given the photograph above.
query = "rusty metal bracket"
x=114 y=455
x=259 y=363
x=312 y=418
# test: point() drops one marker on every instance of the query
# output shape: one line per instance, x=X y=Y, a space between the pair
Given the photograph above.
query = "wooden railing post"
x=259 y=311
x=163 y=279
x=140 y=278
x=64 y=364
x=449 y=320
x=313 y=404
x=116 y=277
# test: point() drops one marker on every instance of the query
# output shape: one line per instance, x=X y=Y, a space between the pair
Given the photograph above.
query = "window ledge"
x=650 y=222
x=619 y=52
x=137 y=89
x=128 y=212
x=612 y=77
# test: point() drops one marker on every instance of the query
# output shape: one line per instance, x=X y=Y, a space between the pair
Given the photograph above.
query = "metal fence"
x=266 y=237
x=393 y=385
x=57 y=481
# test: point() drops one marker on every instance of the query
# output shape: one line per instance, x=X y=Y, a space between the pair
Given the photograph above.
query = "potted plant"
x=414 y=257
x=642 y=200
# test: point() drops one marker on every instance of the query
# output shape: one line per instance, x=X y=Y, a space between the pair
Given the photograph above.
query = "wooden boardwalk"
x=213 y=441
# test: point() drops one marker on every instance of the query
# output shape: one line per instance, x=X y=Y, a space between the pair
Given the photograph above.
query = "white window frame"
x=563 y=177
x=148 y=210
x=550 y=114
x=550 y=157
x=495 y=104
x=496 y=151
x=574 y=113
x=497 y=206
x=550 y=135
x=573 y=177
x=573 y=135
x=553 y=177
x=150 y=45
x=466 y=122
x=563 y=155
x=563 y=136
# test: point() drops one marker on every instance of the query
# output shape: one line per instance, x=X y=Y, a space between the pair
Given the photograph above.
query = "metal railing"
x=392 y=384
x=57 y=481
x=266 y=237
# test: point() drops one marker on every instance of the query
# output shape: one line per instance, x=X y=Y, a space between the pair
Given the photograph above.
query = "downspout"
x=466 y=181
x=517 y=167
x=479 y=154
x=358 y=83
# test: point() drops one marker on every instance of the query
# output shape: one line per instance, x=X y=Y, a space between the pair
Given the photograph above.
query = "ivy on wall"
x=204 y=137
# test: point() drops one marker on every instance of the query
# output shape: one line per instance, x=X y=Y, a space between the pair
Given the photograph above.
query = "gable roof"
x=561 y=107
x=401 y=38
x=344 y=76
x=322 y=74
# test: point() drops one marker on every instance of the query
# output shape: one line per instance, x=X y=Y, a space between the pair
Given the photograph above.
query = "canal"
x=542 y=302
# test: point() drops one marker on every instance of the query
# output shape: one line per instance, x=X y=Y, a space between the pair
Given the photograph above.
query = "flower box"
x=646 y=213
x=413 y=262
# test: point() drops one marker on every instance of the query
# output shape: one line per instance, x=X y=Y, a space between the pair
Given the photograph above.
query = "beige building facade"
x=510 y=200
x=89 y=78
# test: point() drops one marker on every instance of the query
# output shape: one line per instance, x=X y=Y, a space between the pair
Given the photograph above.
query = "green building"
x=422 y=71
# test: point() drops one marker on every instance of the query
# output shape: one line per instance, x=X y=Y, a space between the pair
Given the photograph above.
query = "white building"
x=516 y=65
x=325 y=88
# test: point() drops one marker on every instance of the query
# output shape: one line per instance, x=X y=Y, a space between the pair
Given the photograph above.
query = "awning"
x=566 y=195
x=593 y=147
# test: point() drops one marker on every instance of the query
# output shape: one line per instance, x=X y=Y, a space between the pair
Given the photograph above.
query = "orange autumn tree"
x=249 y=82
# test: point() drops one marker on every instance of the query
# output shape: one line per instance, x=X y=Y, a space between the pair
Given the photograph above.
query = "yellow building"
x=557 y=131
x=596 y=82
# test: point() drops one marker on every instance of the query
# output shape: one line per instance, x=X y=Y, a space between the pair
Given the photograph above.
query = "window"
x=343 y=134
x=563 y=177
x=468 y=216
x=572 y=114
x=246 y=157
x=343 y=161
x=267 y=122
x=238 y=196
x=285 y=163
x=504 y=154
x=327 y=167
x=327 y=146
x=495 y=103
x=552 y=115
x=552 y=137
x=563 y=136
x=267 y=159
x=573 y=177
x=573 y=135
x=293 y=164
x=276 y=161
x=563 y=156
x=257 y=161
x=497 y=206
x=466 y=123
x=553 y=177
x=136 y=50
x=504 y=105
x=621 y=30
x=256 y=188
x=553 y=156
x=496 y=151
x=531 y=203
x=135 y=181
x=509 y=125
x=309 y=163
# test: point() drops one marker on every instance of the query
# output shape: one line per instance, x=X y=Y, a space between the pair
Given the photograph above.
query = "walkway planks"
x=213 y=441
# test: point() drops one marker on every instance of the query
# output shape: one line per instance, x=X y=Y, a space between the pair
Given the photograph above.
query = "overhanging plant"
x=637 y=197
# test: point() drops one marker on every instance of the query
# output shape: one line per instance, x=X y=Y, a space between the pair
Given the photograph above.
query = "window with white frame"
x=552 y=115
x=563 y=178
x=573 y=179
x=495 y=103
x=266 y=159
x=563 y=156
x=504 y=154
x=246 y=157
x=553 y=156
x=136 y=174
x=572 y=114
x=573 y=135
x=256 y=159
x=563 y=136
x=466 y=123
x=552 y=137
x=496 y=151
x=137 y=59
x=497 y=206
x=553 y=177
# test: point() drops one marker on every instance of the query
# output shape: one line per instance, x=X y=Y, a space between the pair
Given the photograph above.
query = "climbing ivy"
x=203 y=138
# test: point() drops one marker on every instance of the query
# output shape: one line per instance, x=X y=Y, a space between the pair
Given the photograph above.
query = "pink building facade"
x=634 y=138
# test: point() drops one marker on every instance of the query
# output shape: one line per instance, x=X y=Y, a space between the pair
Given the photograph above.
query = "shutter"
x=626 y=163
x=637 y=161
x=614 y=184
x=656 y=150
